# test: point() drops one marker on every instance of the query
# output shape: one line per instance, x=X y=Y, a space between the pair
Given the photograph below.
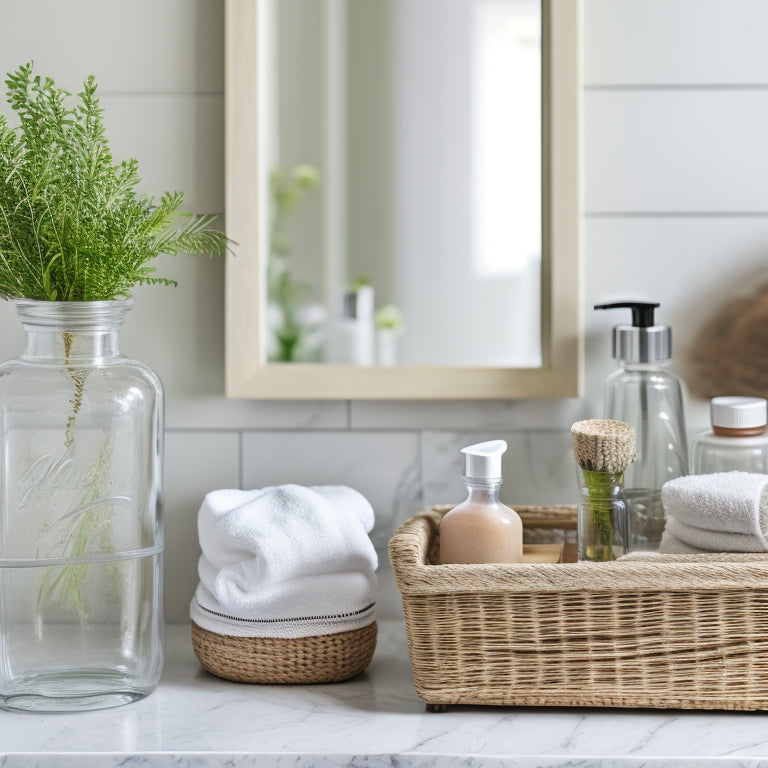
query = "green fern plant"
x=72 y=225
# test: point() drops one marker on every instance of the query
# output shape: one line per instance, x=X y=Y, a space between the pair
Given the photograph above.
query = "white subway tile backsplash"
x=538 y=466
x=443 y=463
x=141 y=46
x=384 y=466
x=676 y=151
x=545 y=473
x=471 y=415
x=663 y=42
x=195 y=463
x=214 y=411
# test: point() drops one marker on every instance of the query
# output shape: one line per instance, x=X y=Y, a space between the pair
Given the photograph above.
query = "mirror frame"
x=561 y=374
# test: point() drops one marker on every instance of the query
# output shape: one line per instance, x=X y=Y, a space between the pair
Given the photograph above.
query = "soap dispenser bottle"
x=649 y=398
x=482 y=529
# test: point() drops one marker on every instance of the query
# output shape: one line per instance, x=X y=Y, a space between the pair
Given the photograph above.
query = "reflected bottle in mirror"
x=351 y=337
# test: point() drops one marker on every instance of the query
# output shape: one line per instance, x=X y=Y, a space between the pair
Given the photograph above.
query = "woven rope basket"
x=682 y=632
x=316 y=659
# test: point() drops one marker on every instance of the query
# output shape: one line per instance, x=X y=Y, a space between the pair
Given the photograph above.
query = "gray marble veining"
x=194 y=719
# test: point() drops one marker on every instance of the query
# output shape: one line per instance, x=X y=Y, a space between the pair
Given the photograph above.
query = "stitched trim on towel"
x=328 y=617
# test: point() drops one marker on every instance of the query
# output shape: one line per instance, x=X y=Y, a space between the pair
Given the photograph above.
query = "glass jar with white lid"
x=737 y=441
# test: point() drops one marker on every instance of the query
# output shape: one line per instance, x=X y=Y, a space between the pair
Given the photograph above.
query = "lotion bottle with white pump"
x=482 y=529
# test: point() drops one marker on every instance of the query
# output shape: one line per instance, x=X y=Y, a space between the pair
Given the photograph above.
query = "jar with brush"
x=603 y=449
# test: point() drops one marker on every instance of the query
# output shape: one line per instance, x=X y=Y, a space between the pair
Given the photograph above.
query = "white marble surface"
x=194 y=719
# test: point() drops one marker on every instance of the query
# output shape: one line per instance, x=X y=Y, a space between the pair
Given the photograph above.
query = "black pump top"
x=642 y=311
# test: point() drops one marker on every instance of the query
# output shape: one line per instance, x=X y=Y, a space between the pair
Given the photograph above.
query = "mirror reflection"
x=402 y=145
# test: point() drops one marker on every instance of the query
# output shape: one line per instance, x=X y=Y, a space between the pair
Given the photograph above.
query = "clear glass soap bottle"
x=737 y=440
x=649 y=398
x=81 y=527
x=482 y=529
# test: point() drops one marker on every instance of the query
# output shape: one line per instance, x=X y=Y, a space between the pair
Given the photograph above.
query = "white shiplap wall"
x=676 y=171
x=676 y=199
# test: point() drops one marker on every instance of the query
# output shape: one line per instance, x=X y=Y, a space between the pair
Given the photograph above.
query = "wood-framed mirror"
x=552 y=365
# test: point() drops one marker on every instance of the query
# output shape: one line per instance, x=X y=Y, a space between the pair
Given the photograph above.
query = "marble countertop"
x=197 y=720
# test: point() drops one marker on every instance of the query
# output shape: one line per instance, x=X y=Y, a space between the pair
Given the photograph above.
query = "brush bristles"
x=603 y=445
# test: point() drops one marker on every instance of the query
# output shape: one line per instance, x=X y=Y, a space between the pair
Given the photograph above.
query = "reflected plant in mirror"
x=290 y=323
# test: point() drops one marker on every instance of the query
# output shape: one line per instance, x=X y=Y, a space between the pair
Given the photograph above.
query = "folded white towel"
x=712 y=541
x=287 y=561
x=720 y=512
x=671 y=545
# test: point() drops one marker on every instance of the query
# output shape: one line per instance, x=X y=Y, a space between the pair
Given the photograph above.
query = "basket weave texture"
x=315 y=659
x=681 y=632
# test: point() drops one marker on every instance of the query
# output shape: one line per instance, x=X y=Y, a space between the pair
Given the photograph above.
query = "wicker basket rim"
x=409 y=550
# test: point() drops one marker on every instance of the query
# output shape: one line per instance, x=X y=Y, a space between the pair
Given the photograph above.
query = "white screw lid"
x=484 y=459
x=738 y=412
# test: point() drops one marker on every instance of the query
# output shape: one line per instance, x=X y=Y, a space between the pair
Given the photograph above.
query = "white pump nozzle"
x=484 y=459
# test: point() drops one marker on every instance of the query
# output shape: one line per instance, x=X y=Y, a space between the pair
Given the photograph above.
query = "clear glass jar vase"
x=603 y=516
x=81 y=526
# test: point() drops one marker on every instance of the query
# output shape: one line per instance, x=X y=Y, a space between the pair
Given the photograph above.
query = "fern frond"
x=72 y=225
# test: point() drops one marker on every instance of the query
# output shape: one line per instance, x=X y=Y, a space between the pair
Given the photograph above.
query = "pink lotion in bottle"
x=482 y=529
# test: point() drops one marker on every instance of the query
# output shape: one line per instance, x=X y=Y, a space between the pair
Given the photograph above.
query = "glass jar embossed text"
x=81 y=529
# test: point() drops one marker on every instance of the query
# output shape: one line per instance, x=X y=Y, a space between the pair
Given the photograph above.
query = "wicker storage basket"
x=316 y=659
x=683 y=632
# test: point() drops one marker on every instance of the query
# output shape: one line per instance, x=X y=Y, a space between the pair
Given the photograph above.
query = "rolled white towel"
x=286 y=561
x=720 y=512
